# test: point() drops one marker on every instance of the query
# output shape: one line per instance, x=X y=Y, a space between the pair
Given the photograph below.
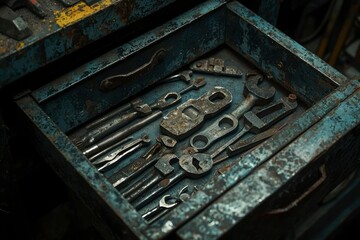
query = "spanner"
x=229 y=122
x=198 y=164
x=183 y=195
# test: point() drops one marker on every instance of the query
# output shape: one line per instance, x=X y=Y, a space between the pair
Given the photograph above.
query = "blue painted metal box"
x=288 y=173
x=65 y=29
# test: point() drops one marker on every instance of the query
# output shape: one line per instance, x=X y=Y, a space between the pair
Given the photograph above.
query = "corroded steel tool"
x=197 y=165
x=254 y=95
x=189 y=116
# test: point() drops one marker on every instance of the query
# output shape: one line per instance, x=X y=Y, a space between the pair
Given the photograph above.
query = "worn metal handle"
x=311 y=189
x=114 y=81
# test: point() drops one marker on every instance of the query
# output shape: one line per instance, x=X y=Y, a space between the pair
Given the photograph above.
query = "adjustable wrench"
x=229 y=122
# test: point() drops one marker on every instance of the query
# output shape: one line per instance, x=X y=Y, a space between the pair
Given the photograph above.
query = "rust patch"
x=125 y=9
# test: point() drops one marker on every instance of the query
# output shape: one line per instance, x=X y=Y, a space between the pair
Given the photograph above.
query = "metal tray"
x=215 y=28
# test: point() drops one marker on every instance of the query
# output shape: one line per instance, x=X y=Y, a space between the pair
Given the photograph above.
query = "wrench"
x=120 y=134
x=164 y=203
x=198 y=164
x=229 y=122
x=183 y=195
x=111 y=156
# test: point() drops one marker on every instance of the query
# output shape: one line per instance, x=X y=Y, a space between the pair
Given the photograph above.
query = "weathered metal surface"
x=75 y=98
x=88 y=100
x=286 y=61
x=190 y=116
x=214 y=188
x=312 y=147
x=66 y=29
x=76 y=171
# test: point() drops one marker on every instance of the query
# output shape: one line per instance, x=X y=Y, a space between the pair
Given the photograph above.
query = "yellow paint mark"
x=19 y=45
x=77 y=12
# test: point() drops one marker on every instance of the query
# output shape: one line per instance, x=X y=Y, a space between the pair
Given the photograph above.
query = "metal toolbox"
x=258 y=185
x=44 y=31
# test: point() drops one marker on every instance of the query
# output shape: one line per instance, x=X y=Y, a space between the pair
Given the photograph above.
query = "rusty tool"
x=161 y=169
x=163 y=145
x=170 y=202
x=215 y=66
x=94 y=135
x=198 y=164
x=114 y=157
x=254 y=95
x=189 y=116
x=121 y=134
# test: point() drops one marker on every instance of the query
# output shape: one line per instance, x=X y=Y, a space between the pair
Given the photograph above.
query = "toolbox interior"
x=72 y=101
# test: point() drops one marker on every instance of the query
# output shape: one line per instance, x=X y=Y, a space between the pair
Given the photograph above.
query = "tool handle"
x=114 y=81
x=136 y=167
x=245 y=106
x=152 y=213
x=160 y=188
x=121 y=134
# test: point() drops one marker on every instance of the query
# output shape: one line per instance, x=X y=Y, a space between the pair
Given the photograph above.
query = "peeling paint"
x=79 y=11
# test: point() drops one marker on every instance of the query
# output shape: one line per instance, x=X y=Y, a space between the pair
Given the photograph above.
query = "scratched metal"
x=78 y=91
x=313 y=146
x=76 y=171
x=214 y=188
x=60 y=99
x=286 y=61
x=58 y=34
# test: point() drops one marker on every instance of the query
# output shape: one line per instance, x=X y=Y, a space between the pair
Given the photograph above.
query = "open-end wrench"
x=198 y=164
x=121 y=134
x=163 y=145
x=166 y=202
x=183 y=195
x=229 y=122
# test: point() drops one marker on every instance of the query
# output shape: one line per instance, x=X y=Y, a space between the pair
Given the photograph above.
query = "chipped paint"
x=19 y=45
x=79 y=11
